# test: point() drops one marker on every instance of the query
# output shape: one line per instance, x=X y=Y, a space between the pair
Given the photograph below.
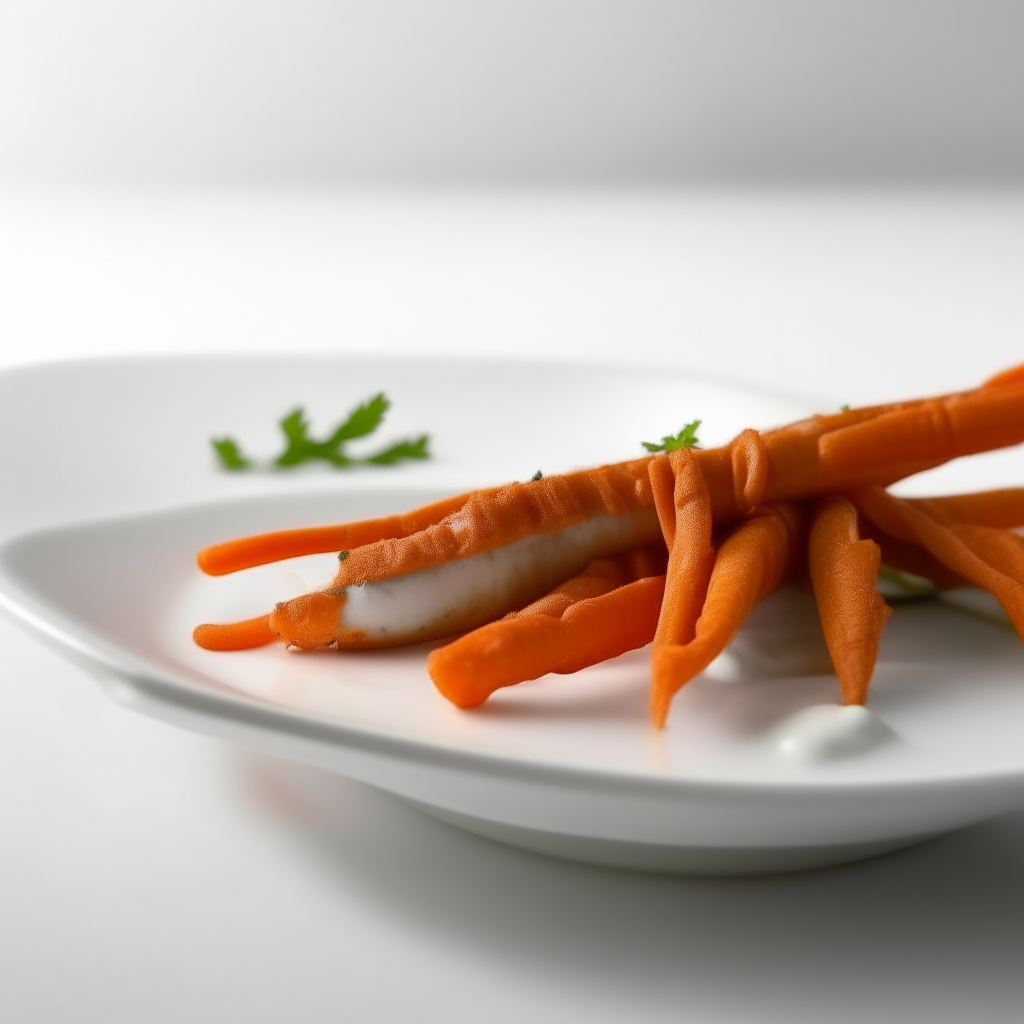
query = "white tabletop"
x=151 y=874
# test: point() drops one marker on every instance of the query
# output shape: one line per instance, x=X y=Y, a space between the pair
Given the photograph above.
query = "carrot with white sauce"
x=499 y=550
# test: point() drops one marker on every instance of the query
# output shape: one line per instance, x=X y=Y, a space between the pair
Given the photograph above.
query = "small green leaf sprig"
x=300 y=447
x=686 y=438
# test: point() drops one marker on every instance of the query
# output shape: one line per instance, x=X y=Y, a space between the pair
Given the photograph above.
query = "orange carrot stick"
x=988 y=557
x=1003 y=508
x=844 y=569
x=246 y=552
x=235 y=636
x=936 y=429
x=608 y=609
x=752 y=562
x=686 y=524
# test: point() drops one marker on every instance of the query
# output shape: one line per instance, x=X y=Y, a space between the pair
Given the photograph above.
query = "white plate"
x=110 y=490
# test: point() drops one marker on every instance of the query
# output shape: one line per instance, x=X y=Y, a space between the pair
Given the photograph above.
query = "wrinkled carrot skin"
x=687 y=525
x=608 y=609
x=261 y=549
x=749 y=469
x=1003 y=508
x=235 y=636
x=843 y=570
x=986 y=556
x=493 y=519
x=752 y=562
x=934 y=430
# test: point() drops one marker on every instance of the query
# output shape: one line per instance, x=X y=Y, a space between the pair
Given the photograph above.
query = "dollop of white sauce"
x=479 y=586
x=830 y=732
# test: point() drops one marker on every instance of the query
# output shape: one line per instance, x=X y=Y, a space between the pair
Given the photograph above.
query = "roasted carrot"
x=844 y=569
x=261 y=549
x=752 y=562
x=686 y=525
x=934 y=430
x=608 y=609
x=989 y=557
x=1003 y=508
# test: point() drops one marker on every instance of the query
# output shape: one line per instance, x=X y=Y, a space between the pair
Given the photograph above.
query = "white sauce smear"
x=480 y=587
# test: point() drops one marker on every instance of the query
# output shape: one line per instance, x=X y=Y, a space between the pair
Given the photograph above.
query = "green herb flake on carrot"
x=686 y=438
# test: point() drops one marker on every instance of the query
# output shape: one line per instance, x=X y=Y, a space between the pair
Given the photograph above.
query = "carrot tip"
x=234 y=636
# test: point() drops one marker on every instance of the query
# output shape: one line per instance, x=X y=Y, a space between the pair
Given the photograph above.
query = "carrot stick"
x=844 y=569
x=1003 y=508
x=608 y=609
x=235 y=636
x=246 y=552
x=752 y=562
x=686 y=524
x=988 y=557
x=936 y=429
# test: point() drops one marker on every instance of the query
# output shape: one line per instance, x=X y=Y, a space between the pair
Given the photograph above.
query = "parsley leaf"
x=301 y=447
x=362 y=421
x=403 y=450
x=229 y=454
x=686 y=438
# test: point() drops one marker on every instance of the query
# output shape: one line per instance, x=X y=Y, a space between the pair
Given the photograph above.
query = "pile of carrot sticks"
x=804 y=503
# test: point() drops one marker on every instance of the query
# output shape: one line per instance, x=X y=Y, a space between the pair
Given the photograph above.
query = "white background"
x=511 y=90
x=814 y=197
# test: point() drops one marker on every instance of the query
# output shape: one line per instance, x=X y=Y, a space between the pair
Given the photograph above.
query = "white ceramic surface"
x=110 y=490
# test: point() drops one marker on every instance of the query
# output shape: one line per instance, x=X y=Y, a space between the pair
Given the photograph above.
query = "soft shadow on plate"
x=933 y=931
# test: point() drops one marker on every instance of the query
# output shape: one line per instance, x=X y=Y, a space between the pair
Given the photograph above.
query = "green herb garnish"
x=229 y=455
x=300 y=447
x=686 y=438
